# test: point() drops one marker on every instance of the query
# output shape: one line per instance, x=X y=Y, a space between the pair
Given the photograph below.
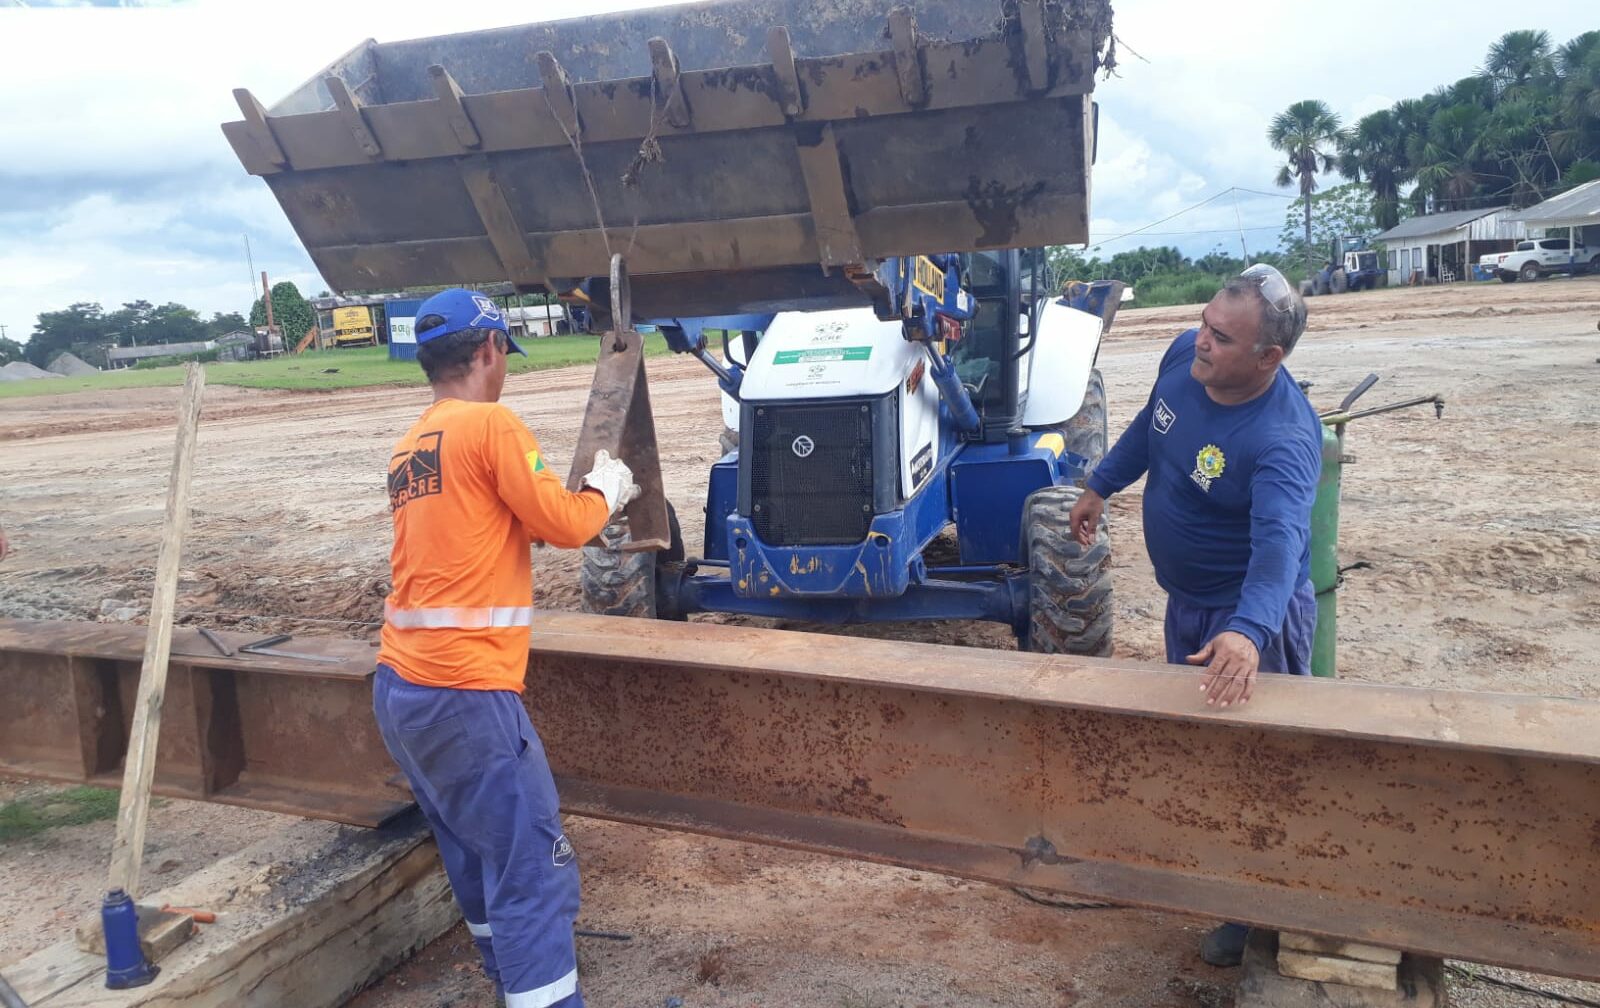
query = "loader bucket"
x=726 y=148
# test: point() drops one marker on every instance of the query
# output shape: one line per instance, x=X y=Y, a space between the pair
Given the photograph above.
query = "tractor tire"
x=1339 y=282
x=1069 y=586
x=615 y=583
x=1319 y=285
x=1529 y=272
x=1086 y=433
x=729 y=441
x=1307 y=288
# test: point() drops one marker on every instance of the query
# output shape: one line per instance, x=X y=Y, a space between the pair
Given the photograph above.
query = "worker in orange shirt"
x=470 y=490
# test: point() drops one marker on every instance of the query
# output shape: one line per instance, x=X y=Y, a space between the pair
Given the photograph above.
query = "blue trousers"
x=1189 y=628
x=478 y=771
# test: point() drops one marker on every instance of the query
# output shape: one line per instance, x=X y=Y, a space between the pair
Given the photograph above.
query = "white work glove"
x=614 y=479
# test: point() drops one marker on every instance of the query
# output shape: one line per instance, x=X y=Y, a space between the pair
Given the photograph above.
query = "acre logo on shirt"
x=416 y=473
x=1208 y=465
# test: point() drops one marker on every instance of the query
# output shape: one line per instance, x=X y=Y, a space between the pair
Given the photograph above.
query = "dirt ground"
x=1480 y=530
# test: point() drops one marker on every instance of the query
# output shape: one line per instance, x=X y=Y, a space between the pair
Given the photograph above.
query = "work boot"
x=1223 y=945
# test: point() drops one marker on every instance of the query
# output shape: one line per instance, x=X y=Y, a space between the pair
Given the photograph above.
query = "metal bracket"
x=350 y=108
x=669 y=87
x=255 y=117
x=781 y=51
x=558 y=93
x=450 y=95
x=907 y=57
x=618 y=420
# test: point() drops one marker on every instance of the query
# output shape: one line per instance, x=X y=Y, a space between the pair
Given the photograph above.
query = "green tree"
x=10 y=350
x=1374 y=152
x=80 y=328
x=1338 y=211
x=291 y=313
x=1520 y=61
x=1446 y=155
x=222 y=323
x=1308 y=134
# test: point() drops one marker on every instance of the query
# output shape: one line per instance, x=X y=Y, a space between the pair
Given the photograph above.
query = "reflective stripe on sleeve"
x=545 y=996
x=458 y=617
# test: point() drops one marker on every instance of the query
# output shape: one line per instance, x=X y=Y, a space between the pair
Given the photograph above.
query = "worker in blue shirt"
x=1232 y=449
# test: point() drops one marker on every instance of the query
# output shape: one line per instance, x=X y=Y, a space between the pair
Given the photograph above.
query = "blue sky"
x=116 y=184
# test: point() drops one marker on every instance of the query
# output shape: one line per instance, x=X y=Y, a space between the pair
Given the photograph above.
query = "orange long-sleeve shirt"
x=469 y=490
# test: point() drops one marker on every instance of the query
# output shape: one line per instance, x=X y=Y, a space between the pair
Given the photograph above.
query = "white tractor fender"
x=1062 y=360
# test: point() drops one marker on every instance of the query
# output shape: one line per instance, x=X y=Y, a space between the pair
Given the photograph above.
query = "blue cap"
x=453 y=310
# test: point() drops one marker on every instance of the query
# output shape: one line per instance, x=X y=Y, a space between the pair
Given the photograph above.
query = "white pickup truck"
x=1533 y=259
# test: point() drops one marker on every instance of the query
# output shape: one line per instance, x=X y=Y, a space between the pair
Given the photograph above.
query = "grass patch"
x=26 y=817
x=359 y=368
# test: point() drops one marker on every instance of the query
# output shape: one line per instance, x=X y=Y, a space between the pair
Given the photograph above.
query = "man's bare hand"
x=1231 y=660
x=1085 y=518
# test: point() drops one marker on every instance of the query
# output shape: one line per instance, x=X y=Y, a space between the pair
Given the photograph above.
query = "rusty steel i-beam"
x=1454 y=824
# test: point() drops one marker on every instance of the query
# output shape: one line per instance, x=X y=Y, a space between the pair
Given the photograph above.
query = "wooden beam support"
x=350 y=110
x=838 y=242
x=558 y=93
x=1035 y=47
x=500 y=222
x=306 y=917
x=907 y=60
x=781 y=52
x=669 y=89
x=260 y=129
x=450 y=94
x=133 y=808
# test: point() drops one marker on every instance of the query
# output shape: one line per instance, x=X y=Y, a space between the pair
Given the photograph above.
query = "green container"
x=1325 y=552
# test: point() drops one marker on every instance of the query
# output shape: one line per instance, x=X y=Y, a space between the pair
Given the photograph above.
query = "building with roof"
x=1576 y=211
x=1442 y=247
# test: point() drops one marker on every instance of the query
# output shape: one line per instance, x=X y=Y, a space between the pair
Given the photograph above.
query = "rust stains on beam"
x=1440 y=822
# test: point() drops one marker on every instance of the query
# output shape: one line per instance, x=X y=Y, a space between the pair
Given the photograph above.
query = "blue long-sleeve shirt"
x=1227 y=505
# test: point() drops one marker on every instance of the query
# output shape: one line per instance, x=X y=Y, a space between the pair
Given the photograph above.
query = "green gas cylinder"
x=1325 y=552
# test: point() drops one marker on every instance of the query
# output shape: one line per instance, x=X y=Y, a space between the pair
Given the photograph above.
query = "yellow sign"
x=929 y=278
x=353 y=325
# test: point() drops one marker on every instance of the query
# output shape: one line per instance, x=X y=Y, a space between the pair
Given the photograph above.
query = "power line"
x=1206 y=231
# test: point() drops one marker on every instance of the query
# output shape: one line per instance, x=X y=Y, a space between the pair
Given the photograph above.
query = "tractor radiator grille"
x=811 y=473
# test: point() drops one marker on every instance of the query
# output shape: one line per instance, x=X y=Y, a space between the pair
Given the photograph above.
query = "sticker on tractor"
x=849 y=353
x=929 y=279
x=921 y=465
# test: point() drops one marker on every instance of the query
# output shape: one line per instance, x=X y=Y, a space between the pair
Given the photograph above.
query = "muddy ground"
x=1480 y=529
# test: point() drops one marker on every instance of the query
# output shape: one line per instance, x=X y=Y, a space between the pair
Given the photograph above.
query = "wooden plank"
x=306 y=917
x=1333 y=969
x=260 y=128
x=500 y=221
x=781 y=51
x=450 y=95
x=838 y=242
x=127 y=849
x=1421 y=984
x=1319 y=945
x=350 y=112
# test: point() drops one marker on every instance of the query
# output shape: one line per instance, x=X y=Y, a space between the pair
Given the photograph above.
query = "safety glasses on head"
x=1274 y=286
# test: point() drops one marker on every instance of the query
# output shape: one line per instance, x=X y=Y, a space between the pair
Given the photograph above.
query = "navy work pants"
x=1189 y=628
x=478 y=771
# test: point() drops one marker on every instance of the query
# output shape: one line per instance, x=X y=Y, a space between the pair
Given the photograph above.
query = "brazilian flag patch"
x=535 y=461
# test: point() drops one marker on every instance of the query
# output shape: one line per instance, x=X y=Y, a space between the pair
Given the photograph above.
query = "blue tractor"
x=914 y=459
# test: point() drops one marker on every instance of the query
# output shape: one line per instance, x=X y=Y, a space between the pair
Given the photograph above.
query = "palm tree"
x=1307 y=133
x=1579 y=65
x=1375 y=152
x=1519 y=58
x=1445 y=166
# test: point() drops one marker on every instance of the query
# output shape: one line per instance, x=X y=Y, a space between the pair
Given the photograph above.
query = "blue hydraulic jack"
x=126 y=965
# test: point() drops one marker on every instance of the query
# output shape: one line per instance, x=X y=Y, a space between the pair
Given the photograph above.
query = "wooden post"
x=127 y=849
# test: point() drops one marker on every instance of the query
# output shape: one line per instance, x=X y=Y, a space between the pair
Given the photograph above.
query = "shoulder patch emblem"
x=535 y=461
